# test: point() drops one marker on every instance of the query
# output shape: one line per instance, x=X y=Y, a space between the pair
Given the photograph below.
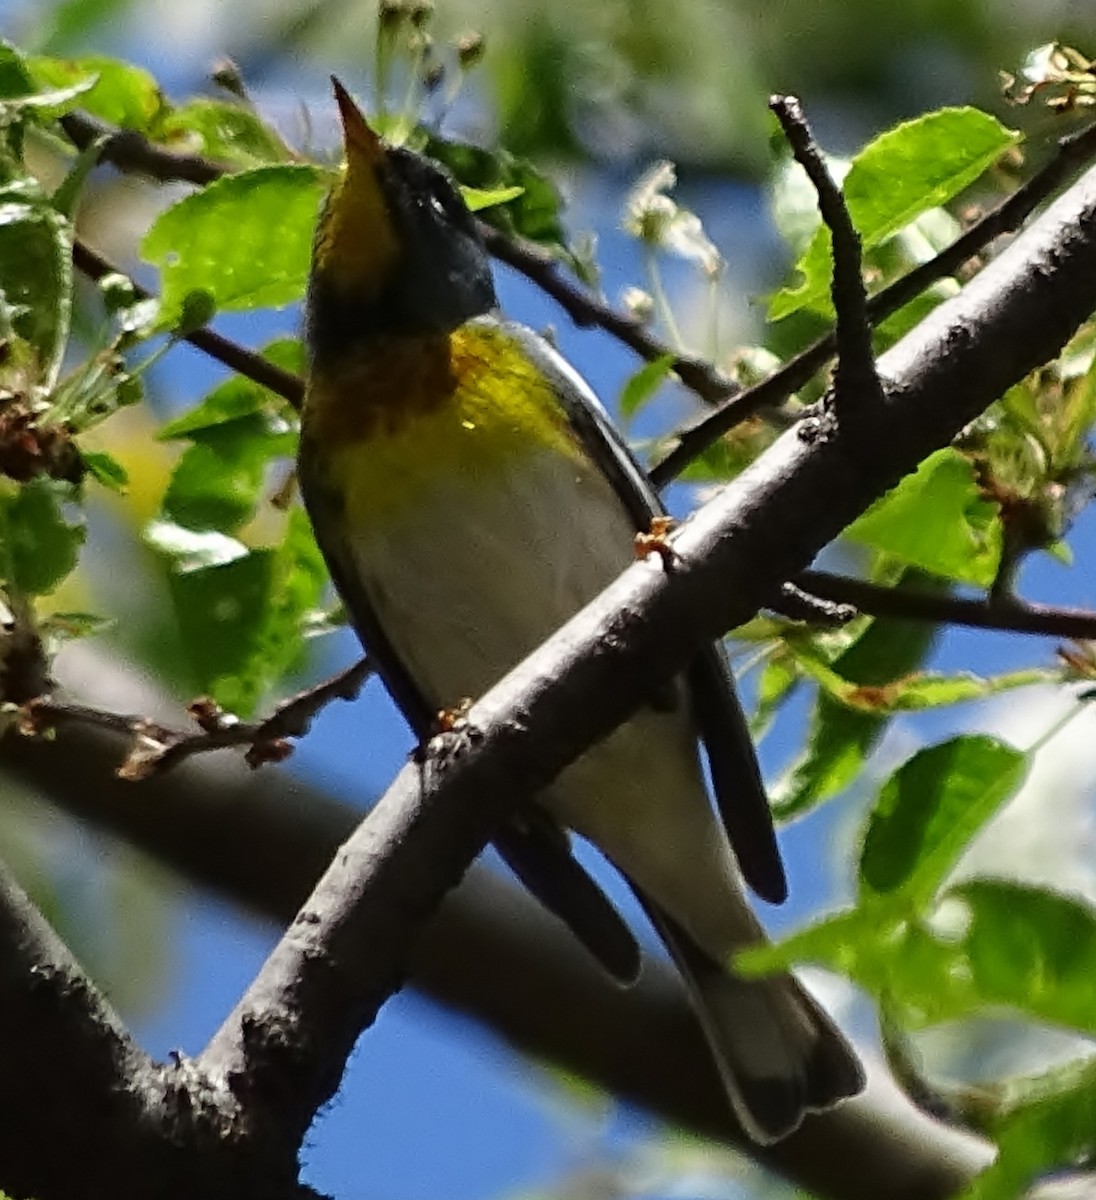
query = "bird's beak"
x=362 y=144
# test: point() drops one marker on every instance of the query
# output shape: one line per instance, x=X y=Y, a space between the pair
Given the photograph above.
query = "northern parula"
x=470 y=495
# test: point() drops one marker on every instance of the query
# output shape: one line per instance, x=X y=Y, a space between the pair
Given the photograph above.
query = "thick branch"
x=68 y=1065
x=284 y=1045
x=86 y=1108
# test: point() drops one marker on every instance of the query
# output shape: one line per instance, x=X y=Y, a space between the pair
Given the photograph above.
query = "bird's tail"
x=780 y=1055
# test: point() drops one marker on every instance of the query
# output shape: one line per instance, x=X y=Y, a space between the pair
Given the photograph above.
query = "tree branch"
x=1012 y=617
x=490 y=952
x=87 y=1108
x=157 y=747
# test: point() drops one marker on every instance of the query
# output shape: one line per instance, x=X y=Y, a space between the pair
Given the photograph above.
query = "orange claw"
x=452 y=720
x=656 y=541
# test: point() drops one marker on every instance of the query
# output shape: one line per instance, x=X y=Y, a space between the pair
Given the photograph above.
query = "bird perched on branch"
x=470 y=495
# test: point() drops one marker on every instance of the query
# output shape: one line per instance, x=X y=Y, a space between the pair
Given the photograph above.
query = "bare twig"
x=856 y=383
x=130 y=151
x=157 y=747
x=1013 y=616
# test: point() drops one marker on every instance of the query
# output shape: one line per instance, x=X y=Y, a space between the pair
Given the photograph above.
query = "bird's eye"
x=438 y=204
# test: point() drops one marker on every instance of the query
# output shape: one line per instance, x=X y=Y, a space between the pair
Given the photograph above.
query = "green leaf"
x=840 y=739
x=242 y=622
x=105 y=469
x=36 y=280
x=67 y=194
x=192 y=551
x=988 y=946
x=776 y=684
x=918 y=691
x=224 y=131
x=19 y=90
x=533 y=212
x=1027 y=948
x=122 y=94
x=643 y=384
x=937 y=519
x=220 y=612
x=246 y=240
x=916 y=166
x=478 y=199
x=15 y=77
x=38 y=546
x=928 y=811
x=218 y=482
x=237 y=396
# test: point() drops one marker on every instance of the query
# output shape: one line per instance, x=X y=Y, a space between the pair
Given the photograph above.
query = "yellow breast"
x=411 y=409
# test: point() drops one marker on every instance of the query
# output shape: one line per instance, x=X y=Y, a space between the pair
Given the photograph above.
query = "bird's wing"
x=740 y=792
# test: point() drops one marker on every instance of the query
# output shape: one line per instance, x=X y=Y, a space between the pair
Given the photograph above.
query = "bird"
x=469 y=495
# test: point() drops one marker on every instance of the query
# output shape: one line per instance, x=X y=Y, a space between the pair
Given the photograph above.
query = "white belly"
x=463 y=598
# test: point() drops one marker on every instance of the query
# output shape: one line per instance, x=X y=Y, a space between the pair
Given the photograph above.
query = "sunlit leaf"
x=937 y=519
x=191 y=550
x=930 y=808
x=642 y=385
x=122 y=94
x=246 y=240
x=223 y=131
x=478 y=199
x=238 y=396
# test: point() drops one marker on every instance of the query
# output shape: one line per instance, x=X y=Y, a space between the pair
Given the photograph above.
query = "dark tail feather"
x=778 y=1052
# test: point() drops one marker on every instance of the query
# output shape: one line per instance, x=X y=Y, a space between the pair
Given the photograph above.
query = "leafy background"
x=211 y=586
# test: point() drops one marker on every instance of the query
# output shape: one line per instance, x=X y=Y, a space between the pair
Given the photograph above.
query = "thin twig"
x=234 y=356
x=130 y=151
x=1016 y=616
x=856 y=382
x=158 y=747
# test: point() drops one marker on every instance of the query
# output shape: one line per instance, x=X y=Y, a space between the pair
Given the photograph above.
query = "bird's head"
x=396 y=249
